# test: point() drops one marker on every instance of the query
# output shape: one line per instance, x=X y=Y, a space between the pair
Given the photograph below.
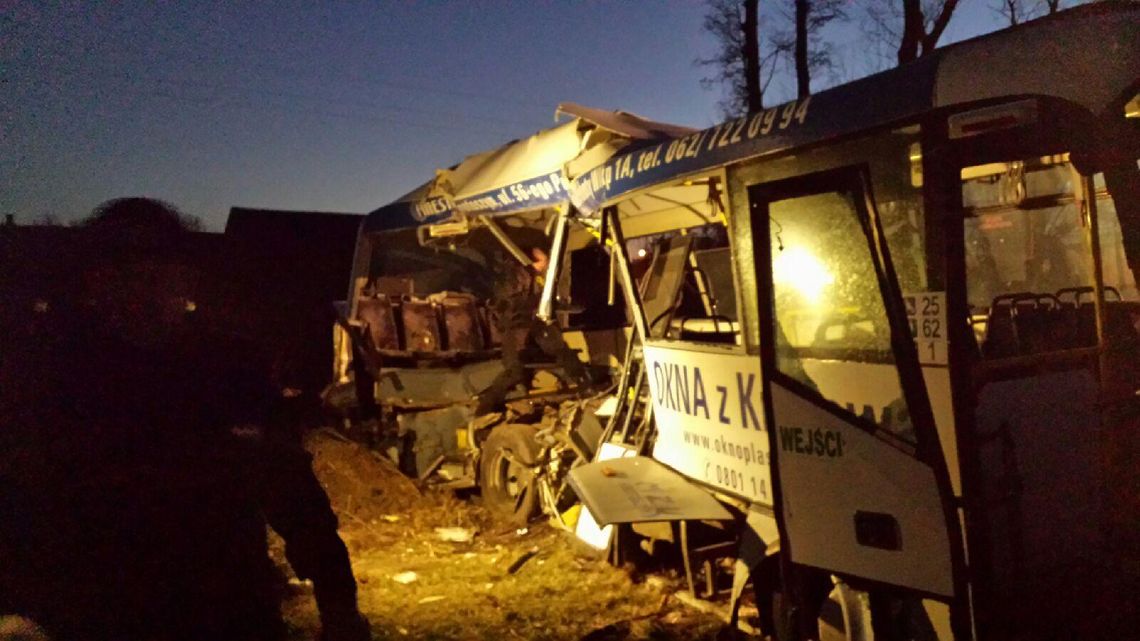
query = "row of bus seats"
x=443 y=324
x=1029 y=323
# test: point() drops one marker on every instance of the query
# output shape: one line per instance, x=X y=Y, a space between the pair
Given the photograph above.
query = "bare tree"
x=915 y=25
x=1019 y=11
x=803 y=69
x=739 y=66
x=923 y=26
x=1012 y=10
x=804 y=44
x=744 y=70
x=754 y=94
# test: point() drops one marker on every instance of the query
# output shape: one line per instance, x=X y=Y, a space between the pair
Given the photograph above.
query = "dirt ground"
x=536 y=583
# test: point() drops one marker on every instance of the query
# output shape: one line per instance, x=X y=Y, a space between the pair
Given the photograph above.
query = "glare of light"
x=641 y=253
x=799 y=269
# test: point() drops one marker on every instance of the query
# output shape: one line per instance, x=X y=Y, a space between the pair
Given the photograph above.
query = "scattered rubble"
x=405 y=578
x=494 y=584
x=455 y=534
x=519 y=562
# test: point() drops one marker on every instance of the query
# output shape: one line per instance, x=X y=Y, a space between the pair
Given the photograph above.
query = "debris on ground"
x=455 y=534
x=405 y=578
x=466 y=590
x=519 y=562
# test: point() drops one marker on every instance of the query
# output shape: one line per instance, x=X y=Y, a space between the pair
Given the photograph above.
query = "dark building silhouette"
x=277 y=271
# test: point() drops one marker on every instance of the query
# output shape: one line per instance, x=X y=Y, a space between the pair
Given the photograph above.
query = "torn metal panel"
x=639 y=489
x=623 y=122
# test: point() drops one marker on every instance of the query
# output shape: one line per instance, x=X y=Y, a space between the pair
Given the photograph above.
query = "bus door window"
x=1117 y=273
x=831 y=330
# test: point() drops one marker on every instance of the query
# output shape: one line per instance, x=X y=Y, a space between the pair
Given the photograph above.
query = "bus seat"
x=421 y=325
x=379 y=321
x=1022 y=323
x=1001 y=334
x=492 y=338
x=462 y=330
x=1120 y=322
x=1081 y=312
x=1039 y=324
x=1074 y=295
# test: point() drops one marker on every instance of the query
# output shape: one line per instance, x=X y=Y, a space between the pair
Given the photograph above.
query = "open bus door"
x=860 y=494
x=1040 y=236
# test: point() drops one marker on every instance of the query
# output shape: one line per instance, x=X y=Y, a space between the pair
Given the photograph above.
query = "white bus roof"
x=525 y=174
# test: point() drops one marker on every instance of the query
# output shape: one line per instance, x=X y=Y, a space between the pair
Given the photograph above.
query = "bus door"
x=1055 y=313
x=862 y=492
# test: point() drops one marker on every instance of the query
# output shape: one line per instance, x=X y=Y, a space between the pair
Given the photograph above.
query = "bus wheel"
x=507 y=473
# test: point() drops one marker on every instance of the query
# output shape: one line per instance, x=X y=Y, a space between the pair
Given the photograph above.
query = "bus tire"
x=507 y=473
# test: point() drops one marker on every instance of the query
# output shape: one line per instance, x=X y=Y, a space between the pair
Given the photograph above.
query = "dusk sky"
x=326 y=106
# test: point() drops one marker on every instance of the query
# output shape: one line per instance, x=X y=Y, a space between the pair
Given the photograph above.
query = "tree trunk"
x=930 y=40
x=803 y=72
x=1013 y=9
x=752 y=55
x=913 y=31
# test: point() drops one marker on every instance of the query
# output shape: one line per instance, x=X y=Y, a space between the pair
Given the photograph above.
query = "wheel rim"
x=512 y=479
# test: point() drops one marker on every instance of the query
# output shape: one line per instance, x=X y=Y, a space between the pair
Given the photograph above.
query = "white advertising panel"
x=710 y=418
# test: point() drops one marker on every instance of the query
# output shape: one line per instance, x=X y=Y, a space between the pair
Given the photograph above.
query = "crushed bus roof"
x=525 y=174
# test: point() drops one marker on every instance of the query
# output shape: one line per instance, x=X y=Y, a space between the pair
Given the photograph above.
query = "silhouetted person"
x=516 y=298
x=143 y=453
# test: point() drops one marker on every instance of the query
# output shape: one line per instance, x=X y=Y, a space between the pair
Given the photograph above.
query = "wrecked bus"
x=418 y=341
x=886 y=345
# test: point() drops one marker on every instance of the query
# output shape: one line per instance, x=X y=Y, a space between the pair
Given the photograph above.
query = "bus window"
x=1117 y=274
x=687 y=288
x=587 y=303
x=1028 y=263
x=401 y=265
